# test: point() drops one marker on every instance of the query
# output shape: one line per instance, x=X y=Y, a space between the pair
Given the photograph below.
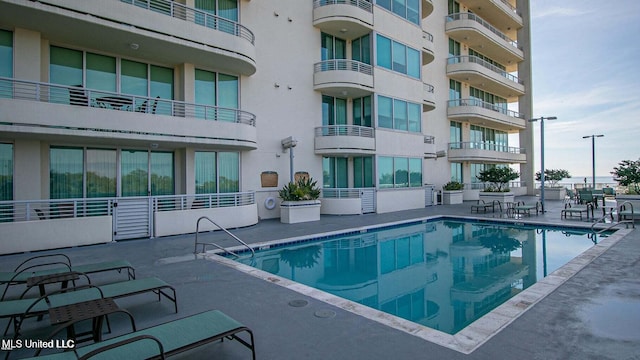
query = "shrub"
x=303 y=189
x=498 y=177
x=453 y=185
x=627 y=173
x=553 y=175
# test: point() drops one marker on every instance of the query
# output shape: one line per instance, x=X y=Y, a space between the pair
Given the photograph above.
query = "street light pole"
x=542 y=119
x=593 y=156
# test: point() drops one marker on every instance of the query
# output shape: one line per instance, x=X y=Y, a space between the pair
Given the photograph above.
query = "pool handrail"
x=195 y=250
x=614 y=224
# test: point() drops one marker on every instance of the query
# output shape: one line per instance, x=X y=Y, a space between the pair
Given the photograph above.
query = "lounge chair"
x=484 y=207
x=521 y=208
x=167 y=339
x=58 y=263
x=571 y=210
x=20 y=309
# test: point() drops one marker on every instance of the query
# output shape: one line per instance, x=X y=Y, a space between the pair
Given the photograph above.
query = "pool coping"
x=472 y=336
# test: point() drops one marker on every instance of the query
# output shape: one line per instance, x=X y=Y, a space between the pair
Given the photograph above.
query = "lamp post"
x=593 y=156
x=542 y=119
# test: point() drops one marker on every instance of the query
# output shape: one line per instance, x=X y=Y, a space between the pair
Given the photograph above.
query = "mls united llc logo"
x=11 y=344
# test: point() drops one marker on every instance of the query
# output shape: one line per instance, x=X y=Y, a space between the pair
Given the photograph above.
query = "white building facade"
x=133 y=118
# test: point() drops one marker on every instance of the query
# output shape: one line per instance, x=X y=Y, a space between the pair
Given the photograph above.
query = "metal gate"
x=368 y=200
x=132 y=218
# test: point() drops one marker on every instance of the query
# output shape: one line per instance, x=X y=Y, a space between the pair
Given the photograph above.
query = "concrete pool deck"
x=593 y=314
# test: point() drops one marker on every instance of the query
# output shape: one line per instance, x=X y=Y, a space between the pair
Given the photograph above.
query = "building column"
x=525 y=104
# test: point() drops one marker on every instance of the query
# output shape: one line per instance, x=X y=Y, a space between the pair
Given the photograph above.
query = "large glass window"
x=407 y=9
x=456 y=172
x=334 y=172
x=361 y=49
x=6 y=171
x=332 y=47
x=363 y=172
x=101 y=173
x=399 y=114
x=213 y=89
x=397 y=57
x=6 y=61
x=227 y=9
x=162 y=173
x=334 y=111
x=455 y=135
x=499 y=103
x=455 y=90
x=362 y=111
x=101 y=72
x=399 y=172
x=133 y=78
x=66 y=169
x=217 y=172
x=135 y=172
x=65 y=66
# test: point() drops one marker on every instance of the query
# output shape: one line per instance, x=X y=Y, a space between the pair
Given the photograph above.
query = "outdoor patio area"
x=592 y=315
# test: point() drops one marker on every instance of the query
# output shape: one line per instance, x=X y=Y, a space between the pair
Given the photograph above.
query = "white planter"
x=503 y=197
x=292 y=212
x=451 y=197
x=556 y=193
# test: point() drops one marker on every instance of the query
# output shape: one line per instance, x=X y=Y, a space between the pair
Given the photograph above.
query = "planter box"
x=452 y=197
x=503 y=197
x=556 y=193
x=292 y=212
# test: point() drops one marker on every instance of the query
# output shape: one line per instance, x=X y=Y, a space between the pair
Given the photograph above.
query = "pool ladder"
x=204 y=244
x=614 y=224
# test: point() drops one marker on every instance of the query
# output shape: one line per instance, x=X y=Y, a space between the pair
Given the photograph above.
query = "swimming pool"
x=443 y=274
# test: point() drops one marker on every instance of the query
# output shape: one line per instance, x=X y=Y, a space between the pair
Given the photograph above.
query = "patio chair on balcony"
x=78 y=96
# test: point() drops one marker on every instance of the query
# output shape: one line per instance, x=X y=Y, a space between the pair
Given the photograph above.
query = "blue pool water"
x=442 y=274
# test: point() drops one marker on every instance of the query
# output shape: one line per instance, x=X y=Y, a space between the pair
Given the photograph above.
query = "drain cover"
x=325 y=314
x=298 y=303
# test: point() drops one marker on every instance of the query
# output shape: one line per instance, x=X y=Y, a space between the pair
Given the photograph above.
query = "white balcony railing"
x=196 y=16
x=486 y=145
x=362 y=4
x=343 y=65
x=341 y=193
x=79 y=96
x=345 y=130
x=485 y=64
x=485 y=24
x=485 y=105
x=202 y=201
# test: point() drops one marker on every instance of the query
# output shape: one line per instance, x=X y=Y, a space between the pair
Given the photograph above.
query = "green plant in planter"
x=498 y=177
x=627 y=173
x=303 y=189
x=554 y=176
x=453 y=185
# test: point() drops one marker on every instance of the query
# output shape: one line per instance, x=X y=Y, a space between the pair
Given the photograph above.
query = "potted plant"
x=498 y=179
x=299 y=201
x=554 y=191
x=452 y=193
x=627 y=173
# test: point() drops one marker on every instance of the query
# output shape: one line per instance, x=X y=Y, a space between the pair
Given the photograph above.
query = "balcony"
x=486 y=152
x=67 y=113
x=346 y=19
x=482 y=113
x=141 y=29
x=485 y=76
x=499 y=12
x=430 y=147
x=342 y=78
x=344 y=140
x=427 y=48
x=428 y=97
x=478 y=34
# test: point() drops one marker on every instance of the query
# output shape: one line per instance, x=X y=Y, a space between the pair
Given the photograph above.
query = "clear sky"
x=586 y=71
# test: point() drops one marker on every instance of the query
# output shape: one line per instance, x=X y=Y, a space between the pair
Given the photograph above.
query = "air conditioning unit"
x=441 y=153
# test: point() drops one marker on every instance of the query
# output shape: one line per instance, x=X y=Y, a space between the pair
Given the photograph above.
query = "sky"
x=586 y=72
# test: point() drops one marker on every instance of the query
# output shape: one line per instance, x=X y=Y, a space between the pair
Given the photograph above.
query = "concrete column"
x=527 y=172
x=27 y=54
x=28 y=179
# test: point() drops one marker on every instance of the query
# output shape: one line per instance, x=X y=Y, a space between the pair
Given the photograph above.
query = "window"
x=361 y=49
x=217 y=172
x=334 y=172
x=333 y=47
x=6 y=171
x=334 y=111
x=455 y=135
x=91 y=173
x=397 y=57
x=455 y=92
x=407 y=9
x=362 y=111
x=363 y=172
x=399 y=172
x=454 y=51
x=488 y=139
x=456 y=172
x=486 y=59
x=226 y=9
x=214 y=89
x=399 y=114
x=6 y=62
x=453 y=7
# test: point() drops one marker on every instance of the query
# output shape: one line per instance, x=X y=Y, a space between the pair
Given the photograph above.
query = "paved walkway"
x=592 y=315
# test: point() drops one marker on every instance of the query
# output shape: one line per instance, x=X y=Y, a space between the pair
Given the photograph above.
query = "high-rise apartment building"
x=132 y=118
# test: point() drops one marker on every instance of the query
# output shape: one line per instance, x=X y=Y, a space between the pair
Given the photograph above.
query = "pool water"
x=441 y=274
